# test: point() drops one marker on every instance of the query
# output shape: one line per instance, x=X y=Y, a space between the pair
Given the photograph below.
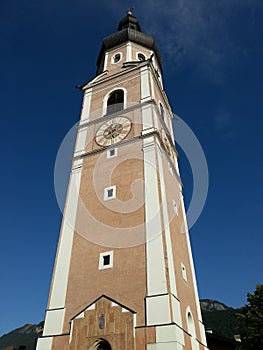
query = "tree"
x=251 y=321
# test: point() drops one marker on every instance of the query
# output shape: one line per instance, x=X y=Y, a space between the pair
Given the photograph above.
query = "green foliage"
x=222 y=322
x=251 y=321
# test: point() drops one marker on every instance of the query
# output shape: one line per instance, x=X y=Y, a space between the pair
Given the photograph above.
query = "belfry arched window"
x=162 y=111
x=115 y=101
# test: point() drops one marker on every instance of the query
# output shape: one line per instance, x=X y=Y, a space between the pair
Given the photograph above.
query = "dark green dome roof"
x=129 y=29
x=129 y=21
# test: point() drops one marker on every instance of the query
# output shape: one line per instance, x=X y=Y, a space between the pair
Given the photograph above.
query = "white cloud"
x=196 y=32
x=222 y=120
x=223 y=125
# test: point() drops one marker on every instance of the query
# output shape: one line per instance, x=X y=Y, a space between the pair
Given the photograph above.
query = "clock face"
x=113 y=131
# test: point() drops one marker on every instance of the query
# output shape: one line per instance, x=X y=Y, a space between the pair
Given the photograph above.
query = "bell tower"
x=124 y=275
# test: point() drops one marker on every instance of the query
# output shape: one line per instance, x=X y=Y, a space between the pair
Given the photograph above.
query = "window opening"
x=110 y=192
x=184 y=272
x=115 y=102
x=111 y=152
x=116 y=58
x=175 y=208
x=106 y=260
x=141 y=57
x=162 y=111
x=101 y=321
x=170 y=168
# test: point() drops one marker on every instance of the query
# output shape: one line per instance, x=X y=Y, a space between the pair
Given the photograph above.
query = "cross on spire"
x=129 y=12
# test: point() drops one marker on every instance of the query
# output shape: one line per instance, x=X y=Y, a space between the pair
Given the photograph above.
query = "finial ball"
x=129 y=12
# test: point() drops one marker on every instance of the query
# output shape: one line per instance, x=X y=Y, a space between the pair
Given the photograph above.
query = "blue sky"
x=212 y=68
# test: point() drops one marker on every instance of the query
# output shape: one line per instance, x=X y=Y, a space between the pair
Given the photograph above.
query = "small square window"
x=106 y=260
x=170 y=167
x=111 y=153
x=175 y=207
x=110 y=193
x=184 y=272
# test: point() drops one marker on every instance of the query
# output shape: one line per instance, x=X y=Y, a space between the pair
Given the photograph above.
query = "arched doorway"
x=100 y=344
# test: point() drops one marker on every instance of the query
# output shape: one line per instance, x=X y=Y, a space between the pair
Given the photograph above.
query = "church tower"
x=124 y=277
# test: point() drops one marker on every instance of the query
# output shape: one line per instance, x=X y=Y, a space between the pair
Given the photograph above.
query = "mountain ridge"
x=212 y=305
x=217 y=316
x=23 y=336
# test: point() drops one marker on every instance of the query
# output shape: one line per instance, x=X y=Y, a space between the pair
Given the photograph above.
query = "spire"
x=129 y=29
x=129 y=21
